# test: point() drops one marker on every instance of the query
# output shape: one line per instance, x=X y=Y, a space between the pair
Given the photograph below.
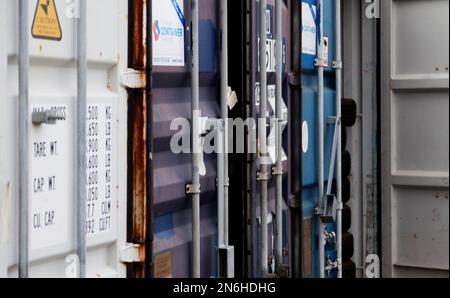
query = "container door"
x=51 y=168
x=253 y=111
x=310 y=21
x=415 y=136
x=171 y=171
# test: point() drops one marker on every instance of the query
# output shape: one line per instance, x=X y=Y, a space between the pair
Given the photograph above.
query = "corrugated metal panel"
x=254 y=112
x=171 y=98
x=415 y=135
x=53 y=83
x=309 y=117
x=360 y=83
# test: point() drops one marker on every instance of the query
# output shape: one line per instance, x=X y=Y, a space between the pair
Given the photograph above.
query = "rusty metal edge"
x=139 y=207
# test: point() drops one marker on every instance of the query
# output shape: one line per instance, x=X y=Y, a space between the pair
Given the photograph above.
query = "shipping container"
x=170 y=98
x=51 y=147
x=360 y=93
x=254 y=111
x=310 y=130
x=414 y=138
x=361 y=82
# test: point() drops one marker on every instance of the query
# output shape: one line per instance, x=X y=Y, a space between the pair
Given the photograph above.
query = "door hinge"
x=133 y=79
x=132 y=253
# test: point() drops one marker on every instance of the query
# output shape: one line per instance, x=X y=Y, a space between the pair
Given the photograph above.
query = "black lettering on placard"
x=90 y=226
x=90 y=210
x=108 y=144
x=99 y=139
x=108 y=176
x=49 y=218
x=92 y=194
x=93 y=113
x=108 y=160
x=36 y=220
x=108 y=113
x=52 y=183
x=108 y=128
x=38 y=184
x=54 y=148
x=106 y=207
x=108 y=191
x=39 y=149
x=104 y=223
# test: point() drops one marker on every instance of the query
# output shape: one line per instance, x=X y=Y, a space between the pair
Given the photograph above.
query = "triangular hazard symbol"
x=46 y=22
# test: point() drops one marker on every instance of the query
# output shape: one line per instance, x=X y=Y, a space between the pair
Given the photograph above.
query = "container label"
x=309 y=29
x=168 y=24
x=163 y=265
x=46 y=21
x=99 y=158
x=52 y=176
x=50 y=181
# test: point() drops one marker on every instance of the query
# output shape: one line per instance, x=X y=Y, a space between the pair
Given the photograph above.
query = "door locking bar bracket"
x=337 y=65
x=193 y=189
x=320 y=63
x=132 y=253
x=277 y=171
x=262 y=176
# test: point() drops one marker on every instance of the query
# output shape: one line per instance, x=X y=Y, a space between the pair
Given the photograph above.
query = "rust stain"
x=307 y=247
x=139 y=167
x=139 y=48
x=138 y=133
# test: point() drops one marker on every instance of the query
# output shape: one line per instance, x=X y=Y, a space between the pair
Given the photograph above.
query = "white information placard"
x=168 y=32
x=50 y=181
x=309 y=29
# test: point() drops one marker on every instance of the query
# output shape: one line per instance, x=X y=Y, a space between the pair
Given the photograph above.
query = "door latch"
x=47 y=117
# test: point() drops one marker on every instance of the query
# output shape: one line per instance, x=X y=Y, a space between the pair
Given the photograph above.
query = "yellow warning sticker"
x=46 y=22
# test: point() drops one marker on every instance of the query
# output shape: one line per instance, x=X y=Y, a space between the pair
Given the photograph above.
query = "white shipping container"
x=415 y=138
x=52 y=148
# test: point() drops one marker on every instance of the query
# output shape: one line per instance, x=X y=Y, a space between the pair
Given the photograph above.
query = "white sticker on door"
x=168 y=25
x=50 y=180
x=309 y=29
